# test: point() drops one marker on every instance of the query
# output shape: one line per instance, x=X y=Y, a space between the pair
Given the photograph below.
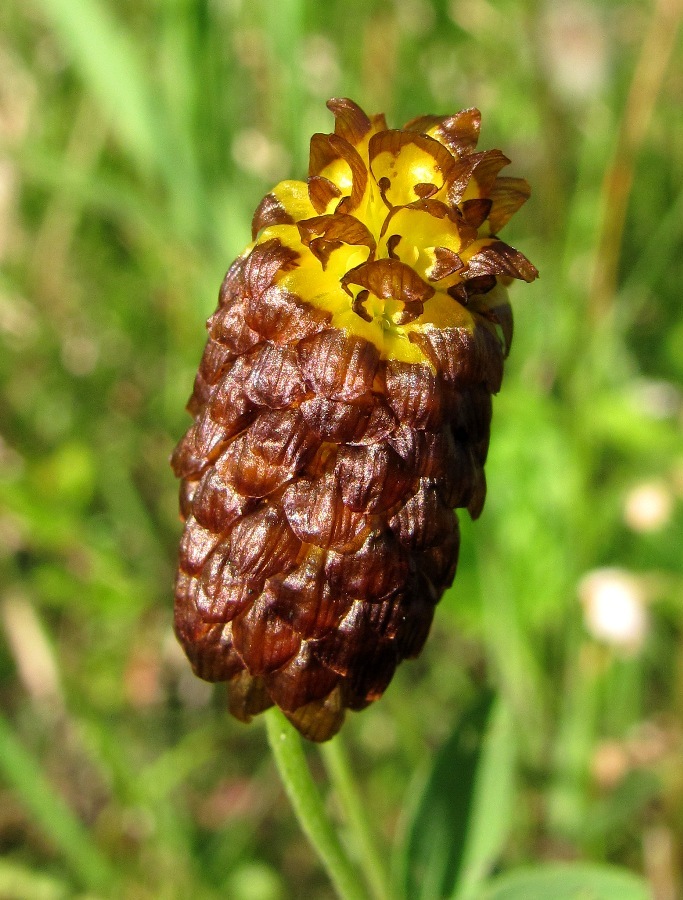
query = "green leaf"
x=567 y=882
x=108 y=59
x=492 y=802
x=459 y=812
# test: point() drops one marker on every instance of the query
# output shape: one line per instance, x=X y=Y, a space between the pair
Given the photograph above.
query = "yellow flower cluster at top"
x=394 y=234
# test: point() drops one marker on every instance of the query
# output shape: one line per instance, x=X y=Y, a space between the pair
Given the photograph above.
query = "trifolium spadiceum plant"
x=341 y=414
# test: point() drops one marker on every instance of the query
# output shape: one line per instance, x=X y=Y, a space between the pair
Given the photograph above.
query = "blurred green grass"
x=135 y=141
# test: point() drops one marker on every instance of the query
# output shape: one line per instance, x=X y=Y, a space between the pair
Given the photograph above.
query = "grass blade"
x=108 y=61
x=567 y=882
x=435 y=840
x=492 y=803
x=52 y=814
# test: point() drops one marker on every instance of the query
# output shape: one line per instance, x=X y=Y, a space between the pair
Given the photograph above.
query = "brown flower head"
x=341 y=412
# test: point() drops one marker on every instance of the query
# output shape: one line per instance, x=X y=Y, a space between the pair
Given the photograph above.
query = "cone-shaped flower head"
x=341 y=413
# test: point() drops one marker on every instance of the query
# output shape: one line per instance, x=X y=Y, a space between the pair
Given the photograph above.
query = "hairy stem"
x=308 y=806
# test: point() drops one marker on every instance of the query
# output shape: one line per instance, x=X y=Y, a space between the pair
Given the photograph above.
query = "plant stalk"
x=657 y=48
x=308 y=806
x=337 y=765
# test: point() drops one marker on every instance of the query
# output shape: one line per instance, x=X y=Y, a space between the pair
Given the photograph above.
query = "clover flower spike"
x=341 y=414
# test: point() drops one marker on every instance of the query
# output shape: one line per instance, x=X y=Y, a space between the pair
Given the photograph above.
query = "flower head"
x=393 y=225
x=341 y=412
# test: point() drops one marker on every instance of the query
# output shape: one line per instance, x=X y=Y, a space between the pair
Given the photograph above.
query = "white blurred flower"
x=320 y=65
x=648 y=506
x=610 y=764
x=614 y=608
x=254 y=152
x=575 y=48
x=656 y=398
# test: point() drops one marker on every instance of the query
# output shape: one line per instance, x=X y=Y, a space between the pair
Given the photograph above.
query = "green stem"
x=308 y=806
x=338 y=768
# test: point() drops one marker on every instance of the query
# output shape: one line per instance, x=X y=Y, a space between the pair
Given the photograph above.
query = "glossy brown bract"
x=341 y=412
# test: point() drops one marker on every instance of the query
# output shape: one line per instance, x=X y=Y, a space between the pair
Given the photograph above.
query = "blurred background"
x=136 y=139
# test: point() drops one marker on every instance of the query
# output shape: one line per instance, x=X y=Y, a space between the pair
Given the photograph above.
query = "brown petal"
x=475 y=504
x=422 y=124
x=230 y=406
x=317 y=515
x=270 y=452
x=414 y=629
x=440 y=562
x=321 y=191
x=264 y=262
x=262 y=544
x=350 y=640
x=325 y=149
x=471 y=421
x=390 y=278
x=321 y=719
x=464 y=357
x=429 y=454
x=365 y=421
x=302 y=680
x=217 y=505
x=500 y=259
x=338 y=365
x=371 y=675
x=304 y=600
x=215 y=362
x=270 y=211
x=188 y=489
x=195 y=545
x=198 y=448
x=474 y=212
x=222 y=594
x=275 y=380
x=424 y=520
x=483 y=167
x=413 y=393
x=228 y=326
x=507 y=195
x=233 y=287
x=462 y=483
x=247 y=472
x=376 y=569
x=371 y=478
x=201 y=391
x=406 y=618
x=282 y=439
x=208 y=646
x=451 y=465
x=282 y=317
x=247 y=697
x=335 y=228
x=460 y=132
x=351 y=123
x=262 y=639
x=446 y=263
x=496 y=308
x=355 y=651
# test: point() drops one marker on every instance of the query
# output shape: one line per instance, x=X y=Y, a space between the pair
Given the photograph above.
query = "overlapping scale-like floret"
x=341 y=412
